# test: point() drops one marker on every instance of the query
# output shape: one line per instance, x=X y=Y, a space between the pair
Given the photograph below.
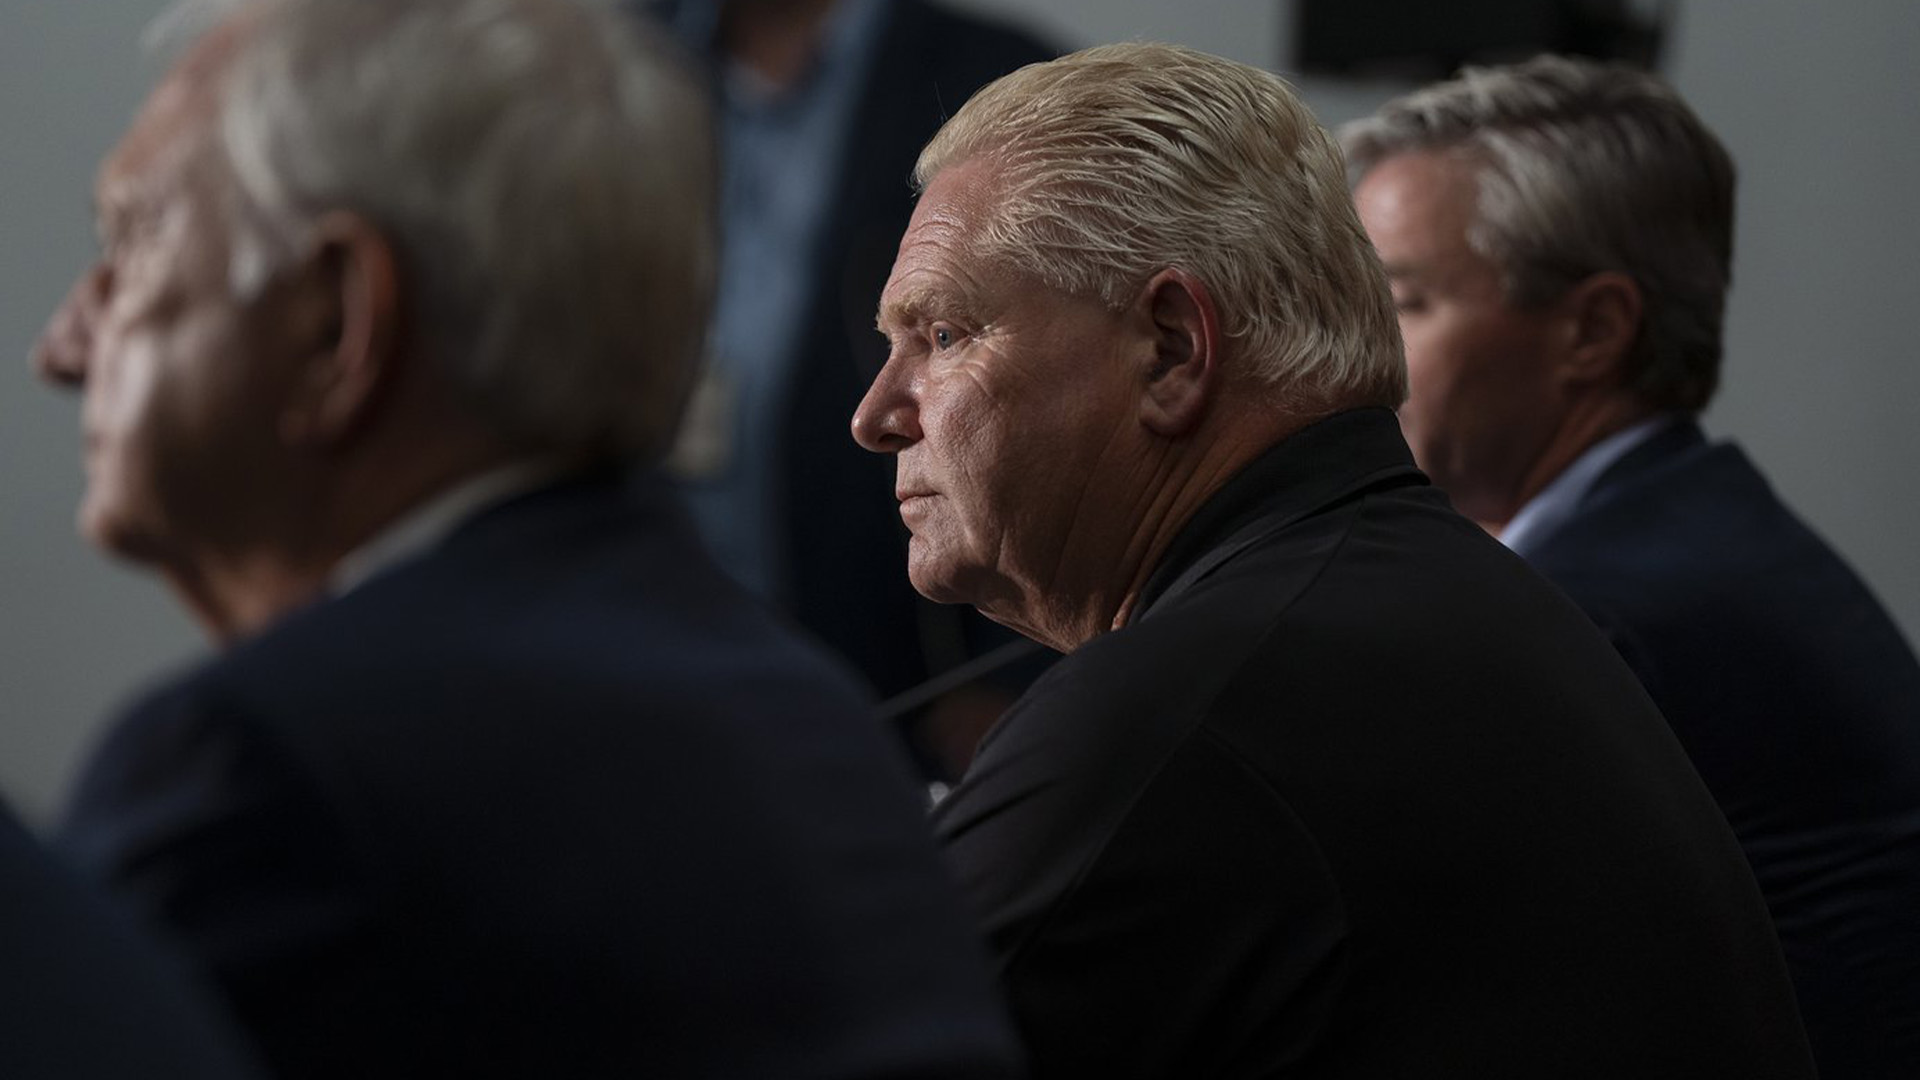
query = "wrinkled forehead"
x=177 y=122
x=957 y=203
x=939 y=253
x=1420 y=193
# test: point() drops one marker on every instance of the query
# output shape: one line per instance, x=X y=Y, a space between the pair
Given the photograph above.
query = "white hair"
x=1586 y=167
x=544 y=167
x=1119 y=161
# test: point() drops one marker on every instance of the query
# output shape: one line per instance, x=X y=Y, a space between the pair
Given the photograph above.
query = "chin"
x=936 y=576
x=110 y=529
x=936 y=587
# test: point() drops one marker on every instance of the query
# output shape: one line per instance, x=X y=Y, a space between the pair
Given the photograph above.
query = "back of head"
x=1119 y=161
x=545 y=171
x=1584 y=168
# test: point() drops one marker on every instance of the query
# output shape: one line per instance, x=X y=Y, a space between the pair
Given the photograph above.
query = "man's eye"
x=943 y=337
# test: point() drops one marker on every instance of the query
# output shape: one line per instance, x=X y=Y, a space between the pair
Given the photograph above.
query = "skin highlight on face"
x=182 y=382
x=1485 y=399
x=1010 y=408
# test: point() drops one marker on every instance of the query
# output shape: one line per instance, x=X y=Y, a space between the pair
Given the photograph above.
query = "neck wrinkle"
x=1181 y=494
x=237 y=597
x=236 y=594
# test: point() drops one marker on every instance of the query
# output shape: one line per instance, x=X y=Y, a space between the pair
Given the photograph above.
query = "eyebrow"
x=913 y=305
x=111 y=208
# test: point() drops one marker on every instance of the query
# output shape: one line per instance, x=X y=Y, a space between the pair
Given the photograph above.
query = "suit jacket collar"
x=1316 y=468
x=435 y=518
x=1677 y=439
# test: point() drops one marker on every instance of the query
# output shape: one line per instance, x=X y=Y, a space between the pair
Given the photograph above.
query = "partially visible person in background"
x=823 y=105
x=83 y=996
x=497 y=775
x=1559 y=237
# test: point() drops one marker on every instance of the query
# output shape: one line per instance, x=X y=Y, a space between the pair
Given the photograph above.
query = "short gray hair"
x=1119 y=161
x=1583 y=168
x=545 y=169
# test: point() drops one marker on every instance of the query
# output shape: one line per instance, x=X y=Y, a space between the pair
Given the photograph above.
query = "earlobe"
x=1182 y=371
x=353 y=287
x=1604 y=312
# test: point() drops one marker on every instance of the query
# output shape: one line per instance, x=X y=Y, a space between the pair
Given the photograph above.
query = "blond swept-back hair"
x=1116 y=162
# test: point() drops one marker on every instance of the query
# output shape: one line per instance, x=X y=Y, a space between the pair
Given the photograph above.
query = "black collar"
x=1322 y=465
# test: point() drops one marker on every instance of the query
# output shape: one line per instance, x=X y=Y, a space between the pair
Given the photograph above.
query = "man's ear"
x=1183 y=372
x=348 y=305
x=1603 y=321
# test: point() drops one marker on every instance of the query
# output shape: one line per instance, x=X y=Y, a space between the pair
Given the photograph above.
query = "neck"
x=775 y=41
x=1184 y=473
x=1588 y=421
x=237 y=597
x=236 y=590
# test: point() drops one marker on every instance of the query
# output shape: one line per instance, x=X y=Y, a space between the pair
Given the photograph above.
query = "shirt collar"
x=1322 y=464
x=845 y=36
x=1547 y=512
x=424 y=526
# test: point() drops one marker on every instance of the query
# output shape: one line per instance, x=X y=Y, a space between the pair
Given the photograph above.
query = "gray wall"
x=1816 y=102
x=77 y=634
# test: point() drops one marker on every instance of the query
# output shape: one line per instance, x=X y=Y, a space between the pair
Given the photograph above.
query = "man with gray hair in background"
x=1559 y=237
x=497 y=775
x=1329 y=784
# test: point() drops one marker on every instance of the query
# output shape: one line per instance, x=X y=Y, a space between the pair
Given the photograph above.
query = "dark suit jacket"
x=1799 y=703
x=550 y=800
x=83 y=997
x=843 y=531
x=1356 y=794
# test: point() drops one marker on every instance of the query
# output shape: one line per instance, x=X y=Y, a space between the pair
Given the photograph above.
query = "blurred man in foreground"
x=498 y=776
x=1330 y=784
x=83 y=996
x=1558 y=235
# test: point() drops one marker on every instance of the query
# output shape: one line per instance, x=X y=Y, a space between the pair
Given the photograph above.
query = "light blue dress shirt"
x=1548 y=512
x=781 y=150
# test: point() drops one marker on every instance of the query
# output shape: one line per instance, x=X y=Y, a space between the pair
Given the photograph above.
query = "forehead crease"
x=170 y=137
x=182 y=110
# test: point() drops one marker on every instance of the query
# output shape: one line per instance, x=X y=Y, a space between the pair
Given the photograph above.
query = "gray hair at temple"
x=1117 y=162
x=1587 y=167
x=545 y=169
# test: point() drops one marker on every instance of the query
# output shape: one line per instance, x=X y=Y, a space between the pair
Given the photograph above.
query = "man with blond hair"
x=498 y=776
x=1329 y=783
x=1559 y=237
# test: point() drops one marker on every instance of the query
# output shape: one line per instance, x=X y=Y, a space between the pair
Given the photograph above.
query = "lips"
x=911 y=502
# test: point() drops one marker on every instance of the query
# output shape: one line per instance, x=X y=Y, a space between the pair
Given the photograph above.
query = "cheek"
x=1445 y=390
x=979 y=487
x=125 y=391
x=121 y=382
x=960 y=433
x=1426 y=375
x=1432 y=353
x=1459 y=369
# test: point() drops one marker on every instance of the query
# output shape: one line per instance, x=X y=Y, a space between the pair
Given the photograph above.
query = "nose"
x=888 y=418
x=65 y=347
